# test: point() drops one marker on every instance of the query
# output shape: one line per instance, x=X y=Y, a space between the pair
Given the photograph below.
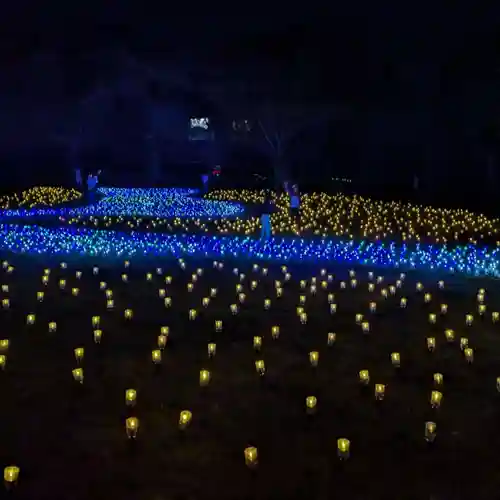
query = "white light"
x=200 y=123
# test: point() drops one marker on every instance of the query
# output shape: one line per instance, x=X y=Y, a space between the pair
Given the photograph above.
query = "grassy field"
x=70 y=442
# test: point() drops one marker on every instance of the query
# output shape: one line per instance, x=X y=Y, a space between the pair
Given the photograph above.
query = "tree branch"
x=273 y=146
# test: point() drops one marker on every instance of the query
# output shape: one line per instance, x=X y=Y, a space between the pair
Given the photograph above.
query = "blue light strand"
x=130 y=202
x=93 y=242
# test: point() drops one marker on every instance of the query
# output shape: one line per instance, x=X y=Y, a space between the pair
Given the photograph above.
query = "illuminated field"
x=138 y=222
x=121 y=202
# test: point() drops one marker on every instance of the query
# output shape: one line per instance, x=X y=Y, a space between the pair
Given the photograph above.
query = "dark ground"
x=70 y=440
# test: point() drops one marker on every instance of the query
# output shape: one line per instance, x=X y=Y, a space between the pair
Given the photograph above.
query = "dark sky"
x=386 y=52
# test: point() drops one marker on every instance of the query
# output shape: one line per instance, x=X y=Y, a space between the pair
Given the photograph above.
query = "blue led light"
x=71 y=240
x=127 y=202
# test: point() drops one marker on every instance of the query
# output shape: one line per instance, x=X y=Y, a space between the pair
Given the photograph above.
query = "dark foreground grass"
x=69 y=440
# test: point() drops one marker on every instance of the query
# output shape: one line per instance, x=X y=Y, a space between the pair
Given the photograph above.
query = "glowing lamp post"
x=156 y=356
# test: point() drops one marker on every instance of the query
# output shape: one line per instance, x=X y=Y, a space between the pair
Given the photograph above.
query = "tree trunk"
x=281 y=171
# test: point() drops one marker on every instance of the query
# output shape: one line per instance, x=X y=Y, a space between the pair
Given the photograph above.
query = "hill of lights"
x=178 y=223
x=138 y=202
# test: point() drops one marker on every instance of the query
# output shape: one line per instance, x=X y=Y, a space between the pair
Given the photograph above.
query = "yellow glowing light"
x=251 y=456
x=185 y=419
x=436 y=398
x=275 y=332
x=218 y=325
x=311 y=402
x=212 y=349
x=260 y=367
x=132 y=427
x=379 y=391
x=432 y=318
x=365 y=326
x=96 y=321
x=257 y=343
x=5 y=303
x=396 y=359
x=438 y=379
x=3 y=361
x=52 y=326
x=162 y=341
x=430 y=431
x=431 y=343
x=79 y=353
x=78 y=375
x=464 y=342
x=156 y=356
x=314 y=358
x=469 y=319
x=443 y=308
x=11 y=474
x=343 y=448
x=469 y=354
x=450 y=335
x=128 y=314
x=364 y=377
x=130 y=397
x=40 y=296
x=97 y=336
x=204 y=378
x=4 y=345
x=331 y=338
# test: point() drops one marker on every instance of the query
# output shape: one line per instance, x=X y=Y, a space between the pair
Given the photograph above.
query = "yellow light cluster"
x=321 y=214
x=39 y=196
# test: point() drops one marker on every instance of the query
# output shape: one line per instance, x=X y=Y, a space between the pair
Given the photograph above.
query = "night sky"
x=424 y=77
